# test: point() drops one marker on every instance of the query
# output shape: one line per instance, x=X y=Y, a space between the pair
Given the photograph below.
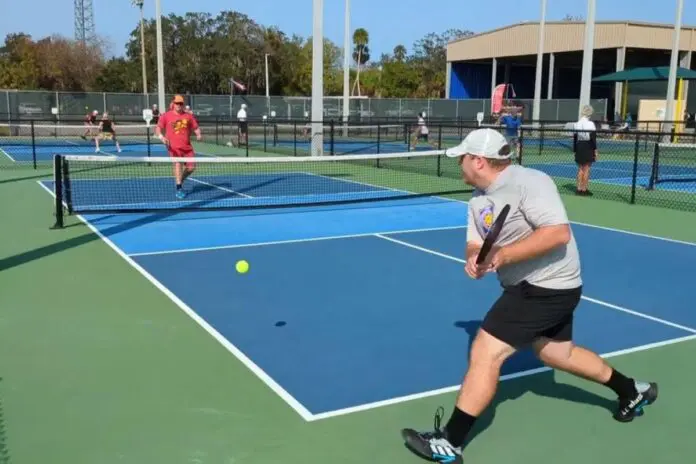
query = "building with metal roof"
x=477 y=63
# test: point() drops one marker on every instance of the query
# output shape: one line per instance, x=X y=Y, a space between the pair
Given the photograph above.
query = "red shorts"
x=185 y=152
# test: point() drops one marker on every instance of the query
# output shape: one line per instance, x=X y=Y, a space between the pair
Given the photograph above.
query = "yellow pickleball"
x=242 y=267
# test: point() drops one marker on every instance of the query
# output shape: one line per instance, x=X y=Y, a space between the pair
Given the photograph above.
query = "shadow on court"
x=54 y=248
x=542 y=384
x=20 y=179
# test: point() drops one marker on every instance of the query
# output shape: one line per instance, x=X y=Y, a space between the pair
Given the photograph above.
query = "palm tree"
x=361 y=53
x=400 y=53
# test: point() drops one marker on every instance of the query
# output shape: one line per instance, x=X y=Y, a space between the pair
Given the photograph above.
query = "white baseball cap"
x=487 y=143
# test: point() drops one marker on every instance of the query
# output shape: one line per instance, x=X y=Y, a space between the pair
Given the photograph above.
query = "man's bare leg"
x=581 y=362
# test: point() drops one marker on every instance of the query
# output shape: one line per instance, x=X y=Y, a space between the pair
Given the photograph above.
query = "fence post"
x=635 y=169
x=33 y=143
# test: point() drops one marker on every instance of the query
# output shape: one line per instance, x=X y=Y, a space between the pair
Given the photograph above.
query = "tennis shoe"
x=630 y=408
x=180 y=194
x=433 y=446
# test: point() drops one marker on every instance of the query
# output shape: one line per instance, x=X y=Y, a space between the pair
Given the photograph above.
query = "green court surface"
x=99 y=366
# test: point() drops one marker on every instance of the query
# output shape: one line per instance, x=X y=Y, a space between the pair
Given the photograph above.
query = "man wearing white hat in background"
x=538 y=266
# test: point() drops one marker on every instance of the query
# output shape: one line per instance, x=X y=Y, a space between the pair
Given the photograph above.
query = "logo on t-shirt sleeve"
x=486 y=219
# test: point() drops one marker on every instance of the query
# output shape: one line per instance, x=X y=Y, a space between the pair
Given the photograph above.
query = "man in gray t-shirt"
x=538 y=266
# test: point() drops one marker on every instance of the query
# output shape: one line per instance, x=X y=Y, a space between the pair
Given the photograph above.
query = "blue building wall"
x=473 y=80
x=470 y=80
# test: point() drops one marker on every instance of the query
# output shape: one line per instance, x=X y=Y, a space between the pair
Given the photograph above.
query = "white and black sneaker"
x=630 y=408
x=434 y=445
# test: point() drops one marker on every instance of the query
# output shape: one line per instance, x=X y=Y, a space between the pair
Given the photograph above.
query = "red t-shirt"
x=178 y=128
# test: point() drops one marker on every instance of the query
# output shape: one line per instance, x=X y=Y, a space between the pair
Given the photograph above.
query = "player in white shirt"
x=421 y=133
x=585 y=148
x=243 y=126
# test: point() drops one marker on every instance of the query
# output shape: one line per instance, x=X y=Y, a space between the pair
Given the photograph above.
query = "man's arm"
x=543 y=208
x=538 y=243
x=196 y=127
x=472 y=249
x=474 y=241
x=158 y=128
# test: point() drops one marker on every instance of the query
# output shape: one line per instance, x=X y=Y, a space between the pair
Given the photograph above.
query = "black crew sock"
x=458 y=427
x=622 y=385
x=178 y=186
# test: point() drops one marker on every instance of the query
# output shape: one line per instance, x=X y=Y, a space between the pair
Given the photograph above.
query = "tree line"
x=202 y=52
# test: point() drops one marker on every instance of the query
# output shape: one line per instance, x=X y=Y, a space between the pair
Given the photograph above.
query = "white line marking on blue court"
x=419 y=248
x=219 y=187
x=454 y=388
x=296 y=405
x=611 y=229
x=593 y=300
x=298 y=240
x=253 y=367
x=7 y=154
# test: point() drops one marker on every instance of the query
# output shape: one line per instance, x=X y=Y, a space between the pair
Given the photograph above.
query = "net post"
x=439 y=137
x=67 y=190
x=265 y=127
x=33 y=143
x=294 y=137
x=58 y=191
x=542 y=132
x=379 y=136
x=654 y=167
x=521 y=142
x=634 y=180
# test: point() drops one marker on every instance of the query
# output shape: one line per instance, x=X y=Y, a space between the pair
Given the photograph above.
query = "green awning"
x=656 y=73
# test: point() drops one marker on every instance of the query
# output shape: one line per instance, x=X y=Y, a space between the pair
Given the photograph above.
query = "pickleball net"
x=69 y=135
x=112 y=184
x=341 y=133
x=673 y=162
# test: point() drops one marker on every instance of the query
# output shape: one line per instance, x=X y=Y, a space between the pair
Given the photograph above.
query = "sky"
x=388 y=22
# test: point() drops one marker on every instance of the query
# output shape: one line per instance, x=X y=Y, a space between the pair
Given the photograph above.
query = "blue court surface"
x=614 y=172
x=351 y=307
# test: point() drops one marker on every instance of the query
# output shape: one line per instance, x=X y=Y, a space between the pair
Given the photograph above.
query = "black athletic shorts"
x=584 y=153
x=525 y=312
x=243 y=127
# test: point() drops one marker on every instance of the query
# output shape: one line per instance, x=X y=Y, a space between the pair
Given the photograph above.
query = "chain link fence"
x=25 y=105
x=635 y=167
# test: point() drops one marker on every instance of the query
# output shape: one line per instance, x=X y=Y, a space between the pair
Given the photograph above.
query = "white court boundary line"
x=297 y=240
x=7 y=154
x=592 y=300
x=224 y=189
x=304 y=412
x=454 y=388
x=454 y=200
x=246 y=361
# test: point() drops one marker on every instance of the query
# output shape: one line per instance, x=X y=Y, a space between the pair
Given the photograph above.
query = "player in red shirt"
x=178 y=126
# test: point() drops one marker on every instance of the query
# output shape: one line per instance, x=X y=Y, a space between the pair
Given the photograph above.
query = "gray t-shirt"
x=534 y=202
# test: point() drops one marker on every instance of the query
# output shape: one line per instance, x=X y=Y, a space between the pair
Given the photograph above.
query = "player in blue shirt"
x=512 y=122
